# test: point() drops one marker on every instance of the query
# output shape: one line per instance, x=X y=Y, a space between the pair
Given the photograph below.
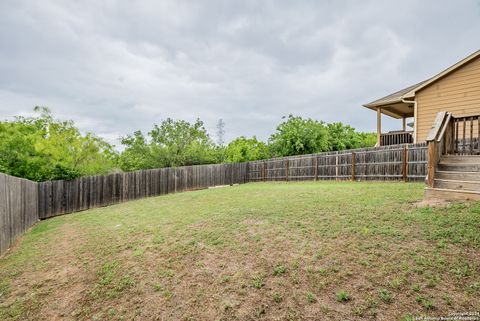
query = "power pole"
x=220 y=132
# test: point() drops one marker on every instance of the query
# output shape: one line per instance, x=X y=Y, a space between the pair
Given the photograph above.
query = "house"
x=455 y=90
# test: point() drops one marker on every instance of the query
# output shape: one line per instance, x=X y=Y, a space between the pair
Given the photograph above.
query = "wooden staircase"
x=454 y=159
x=456 y=178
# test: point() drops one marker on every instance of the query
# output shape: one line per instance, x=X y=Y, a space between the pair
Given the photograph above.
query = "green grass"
x=265 y=250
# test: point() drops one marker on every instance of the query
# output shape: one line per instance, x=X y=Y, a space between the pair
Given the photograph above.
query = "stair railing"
x=467 y=135
x=440 y=141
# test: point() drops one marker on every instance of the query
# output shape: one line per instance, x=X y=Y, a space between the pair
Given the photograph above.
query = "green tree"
x=43 y=148
x=297 y=136
x=172 y=143
x=368 y=139
x=137 y=154
x=345 y=137
x=244 y=149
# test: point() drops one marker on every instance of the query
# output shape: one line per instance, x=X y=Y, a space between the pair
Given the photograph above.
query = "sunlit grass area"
x=287 y=251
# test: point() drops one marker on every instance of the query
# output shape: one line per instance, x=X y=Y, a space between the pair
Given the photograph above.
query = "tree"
x=244 y=149
x=137 y=154
x=368 y=139
x=343 y=137
x=297 y=136
x=43 y=148
x=172 y=143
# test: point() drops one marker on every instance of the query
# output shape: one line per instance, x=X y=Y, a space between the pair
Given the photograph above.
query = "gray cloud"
x=115 y=66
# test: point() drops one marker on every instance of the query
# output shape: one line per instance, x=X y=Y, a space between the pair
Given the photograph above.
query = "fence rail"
x=23 y=202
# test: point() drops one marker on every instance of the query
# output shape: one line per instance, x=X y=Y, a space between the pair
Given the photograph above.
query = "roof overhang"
x=397 y=109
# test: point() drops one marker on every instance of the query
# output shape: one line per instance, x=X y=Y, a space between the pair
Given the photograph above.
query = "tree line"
x=43 y=148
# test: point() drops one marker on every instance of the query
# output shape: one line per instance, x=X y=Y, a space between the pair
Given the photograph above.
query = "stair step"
x=457 y=185
x=450 y=195
x=464 y=159
x=459 y=176
x=458 y=167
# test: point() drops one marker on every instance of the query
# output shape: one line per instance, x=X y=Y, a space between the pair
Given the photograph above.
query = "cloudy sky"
x=117 y=66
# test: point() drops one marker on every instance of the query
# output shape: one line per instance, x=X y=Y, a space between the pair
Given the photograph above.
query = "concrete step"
x=435 y=194
x=458 y=176
x=457 y=185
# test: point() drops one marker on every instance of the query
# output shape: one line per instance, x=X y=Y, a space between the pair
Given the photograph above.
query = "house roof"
x=396 y=97
x=409 y=92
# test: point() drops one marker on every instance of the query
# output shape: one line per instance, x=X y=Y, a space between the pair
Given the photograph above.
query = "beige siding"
x=458 y=92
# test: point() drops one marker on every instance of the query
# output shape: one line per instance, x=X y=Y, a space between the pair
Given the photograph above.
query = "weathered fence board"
x=18 y=208
x=62 y=197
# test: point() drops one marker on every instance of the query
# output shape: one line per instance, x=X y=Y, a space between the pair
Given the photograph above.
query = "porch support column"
x=379 y=124
x=404 y=123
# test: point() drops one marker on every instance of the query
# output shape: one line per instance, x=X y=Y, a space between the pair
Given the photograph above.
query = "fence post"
x=336 y=167
x=405 y=163
x=264 y=171
x=316 y=168
x=175 y=179
x=353 y=166
x=286 y=170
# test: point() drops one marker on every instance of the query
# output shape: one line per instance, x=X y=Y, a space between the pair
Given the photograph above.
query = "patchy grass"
x=326 y=250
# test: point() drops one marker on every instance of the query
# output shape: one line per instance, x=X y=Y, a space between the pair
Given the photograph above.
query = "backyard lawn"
x=272 y=251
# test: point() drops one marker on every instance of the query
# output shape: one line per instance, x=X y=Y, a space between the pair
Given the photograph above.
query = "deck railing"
x=467 y=134
x=396 y=138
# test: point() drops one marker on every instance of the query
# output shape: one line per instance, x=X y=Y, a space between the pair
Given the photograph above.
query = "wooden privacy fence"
x=398 y=162
x=62 y=197
x=23 y=202
x=18 y=208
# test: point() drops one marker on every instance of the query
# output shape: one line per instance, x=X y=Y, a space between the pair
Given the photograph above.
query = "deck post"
x=379 y=125
x=404 y=123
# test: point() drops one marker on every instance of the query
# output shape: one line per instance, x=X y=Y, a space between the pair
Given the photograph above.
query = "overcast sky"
x=117 y=66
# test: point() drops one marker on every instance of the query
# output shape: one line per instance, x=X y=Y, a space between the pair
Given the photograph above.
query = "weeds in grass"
x=157 y=287
x=279 y=270
x=425 y=302
x=342 y=296
x=385 y=295
x=262 y=310
x=474 y=287
x=258 y=282
x=166 y=273
x=4 y=289
x=322 y=271
x=277 y=297
x=225 y=279
x=447 y=299
x=311 y=298
x=110 y=283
